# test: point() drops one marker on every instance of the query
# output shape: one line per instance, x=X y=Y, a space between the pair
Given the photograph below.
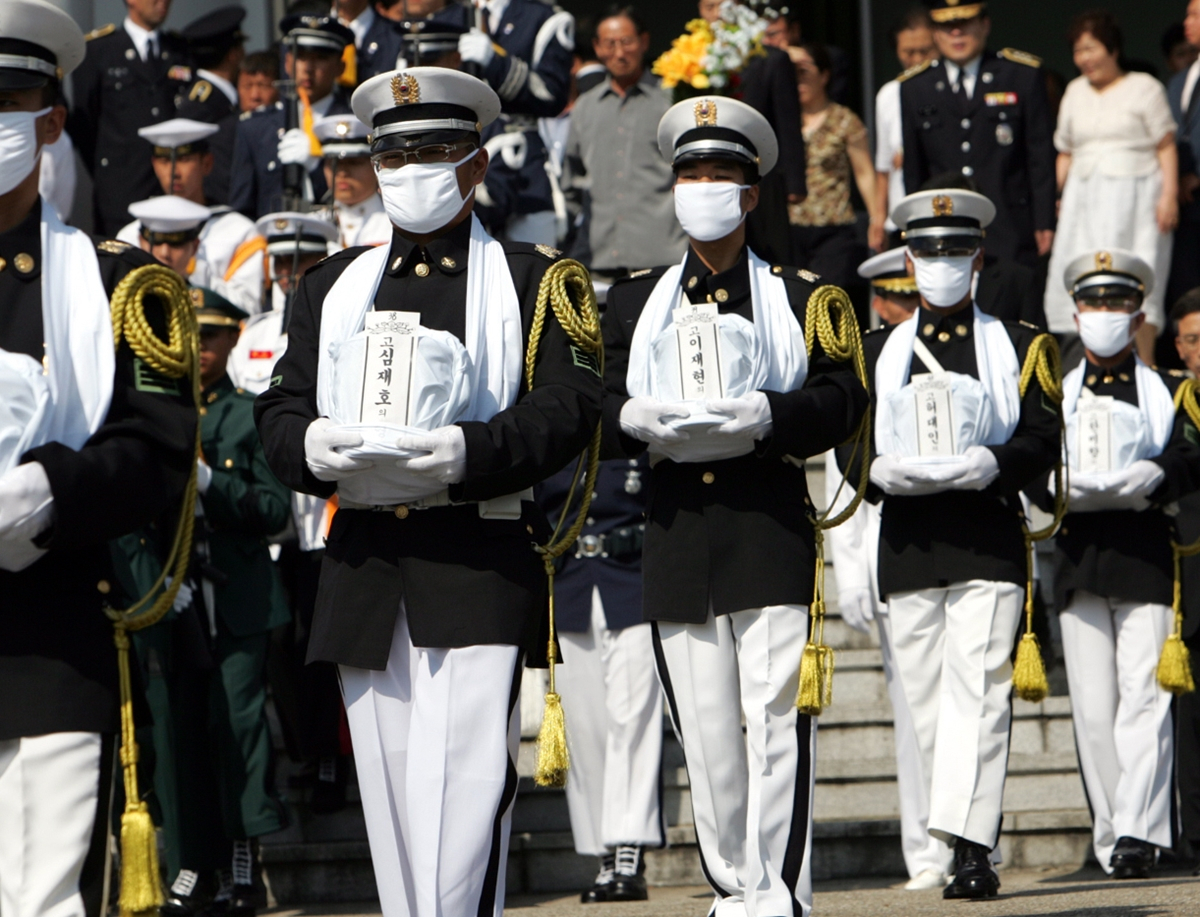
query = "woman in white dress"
x=1117 y=170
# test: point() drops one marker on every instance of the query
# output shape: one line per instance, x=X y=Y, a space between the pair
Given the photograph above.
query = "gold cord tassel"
x=815 y=691
x=582 y=325
x=1175 y=663
x=141 y=891
x=141 y=888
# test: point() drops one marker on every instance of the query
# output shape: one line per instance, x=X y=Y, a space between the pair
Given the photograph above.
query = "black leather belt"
x=617 y=544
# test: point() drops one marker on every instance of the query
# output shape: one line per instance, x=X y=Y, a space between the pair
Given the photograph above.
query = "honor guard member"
x=729 y=552
x=611 y=697
x=356 y=209
x=169 y=227
x=217 y=47
x=265 y=144
x=431 y=593
x=523 y=49
x=1132 y=454
x=134 y=75
x=955 y=442
x=95 y=444
x=312 y=722
x=986 y=116
x=229 y=243
x=853 y=548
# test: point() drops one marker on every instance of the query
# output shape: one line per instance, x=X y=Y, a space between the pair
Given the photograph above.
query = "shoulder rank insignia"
x=201 y=90
x=1021 y=57
x=112 y=246
x=246 y=115
x=1030 y=325
x=913 y=71
x=100 y=32
x=552 y=253
x=807 y=275
x=1179 y=373
x=642 y=273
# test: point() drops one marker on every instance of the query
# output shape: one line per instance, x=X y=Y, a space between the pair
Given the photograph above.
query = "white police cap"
x=342 y=136
x=169 y=218
x=38 y=41
x=182 y=135
x=421 y=104
x=943 y=219
x=888 y=272
x=1113 y=271
x=715 y=127
x=287 y=232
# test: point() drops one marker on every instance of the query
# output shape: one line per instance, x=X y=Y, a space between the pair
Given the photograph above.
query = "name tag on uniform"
x=1095 y=434
x=261 y=354
x=387 y=372
x=935 y=421
x=993 y=99
x=699 y=352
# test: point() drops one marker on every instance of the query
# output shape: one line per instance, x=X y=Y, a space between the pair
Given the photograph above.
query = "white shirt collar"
x=970 y=68
x=221 y=83
x=495 y=10
x=360 y=24
x=141 y=37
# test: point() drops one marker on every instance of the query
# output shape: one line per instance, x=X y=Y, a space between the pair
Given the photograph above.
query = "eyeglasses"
x=628 y=43
x=945 y=253
x=425 y=155
x=1110 y=303
x=1190 y=340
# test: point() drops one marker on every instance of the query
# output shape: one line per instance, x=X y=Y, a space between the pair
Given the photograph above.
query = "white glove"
x=899 y=478
x=857 y=607
x=295 y=149
x=446 y=454
x=476 y=47
x=183 y=598
x=320 y=442
x=977 y=470
x=1128 y=489
x=26 y=502
x=642 y=419
x=750 y=415
x=203 y=476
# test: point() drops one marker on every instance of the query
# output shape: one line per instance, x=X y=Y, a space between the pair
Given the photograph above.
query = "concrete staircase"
x=1046 y=821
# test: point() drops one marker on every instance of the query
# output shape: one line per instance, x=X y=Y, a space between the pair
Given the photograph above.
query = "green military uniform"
x=204 y=665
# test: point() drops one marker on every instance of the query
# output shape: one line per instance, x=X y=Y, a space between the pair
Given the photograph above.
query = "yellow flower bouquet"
x=708 y=57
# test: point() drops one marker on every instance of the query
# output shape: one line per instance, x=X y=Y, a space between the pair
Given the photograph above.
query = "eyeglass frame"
x=411 y=157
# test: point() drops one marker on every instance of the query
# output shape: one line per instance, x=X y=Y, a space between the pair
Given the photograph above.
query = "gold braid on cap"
x=405 y=89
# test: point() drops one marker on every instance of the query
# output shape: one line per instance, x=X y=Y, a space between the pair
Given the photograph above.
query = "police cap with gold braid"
x=943 y=12
x=715 y=127
x=38 y=43
x=424 y=105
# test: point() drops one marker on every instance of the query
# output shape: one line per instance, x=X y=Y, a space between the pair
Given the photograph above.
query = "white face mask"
x=709 y=210
x=944 y=281
x=423 y=197
x=19 y=149
x=1105 y=333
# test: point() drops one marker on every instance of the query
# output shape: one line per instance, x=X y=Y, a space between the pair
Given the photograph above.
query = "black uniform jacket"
x=58 y=665
x=206 y=102
x=732 y=534
x=1126 y=554
x=464 y=580
x=950 y=537
x=1188 y=526
x=1001 y=137
x=115 y=92
x=608 y=555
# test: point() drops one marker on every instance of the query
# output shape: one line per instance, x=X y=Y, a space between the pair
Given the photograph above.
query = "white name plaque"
x=387 y=372
x=935 y=421
x=699 y=352
x=1095 y=434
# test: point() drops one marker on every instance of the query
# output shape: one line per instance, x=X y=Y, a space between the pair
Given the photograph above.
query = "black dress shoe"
x=973 y=873
x=603 y=884
x=1131 y=859
x=188 y=895
x=629 y=880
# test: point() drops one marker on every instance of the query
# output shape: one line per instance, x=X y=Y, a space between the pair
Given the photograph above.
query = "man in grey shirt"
x=613 y=168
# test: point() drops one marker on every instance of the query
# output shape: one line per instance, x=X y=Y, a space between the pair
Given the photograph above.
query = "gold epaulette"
x=1021 y=57
x=100 y=32
x=112 y=246
x=913 y=71
x=548 y=251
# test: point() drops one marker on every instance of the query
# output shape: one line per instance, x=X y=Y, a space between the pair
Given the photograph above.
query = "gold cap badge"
x=281 y=224
x=706 y=113
x=943 y=205
x=1103 y=261
x=405 y=89
x=197 y=297
x=343 y=128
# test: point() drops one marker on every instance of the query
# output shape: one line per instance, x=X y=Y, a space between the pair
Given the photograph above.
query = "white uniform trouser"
x=751 y=793
x=921 y=849
x=49 y=787
x=435 y=744
x=613 y=707
x=953 y=649
x=1122 y=717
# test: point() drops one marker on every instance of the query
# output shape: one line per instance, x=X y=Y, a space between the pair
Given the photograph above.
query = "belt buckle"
x=591 y=546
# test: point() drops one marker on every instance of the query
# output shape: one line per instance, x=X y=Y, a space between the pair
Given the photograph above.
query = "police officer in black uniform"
x=104 y=468
x=266 y=142
x=217 y=46
x=134 y=75
x=986 y=116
